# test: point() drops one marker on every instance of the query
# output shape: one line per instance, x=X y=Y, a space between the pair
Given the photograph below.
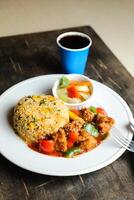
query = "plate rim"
x=81 y=171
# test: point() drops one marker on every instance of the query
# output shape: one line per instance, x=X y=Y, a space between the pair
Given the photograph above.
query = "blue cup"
x=74 y=60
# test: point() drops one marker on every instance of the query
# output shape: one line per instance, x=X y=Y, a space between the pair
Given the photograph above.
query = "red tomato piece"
x=70 y=144
x=72 y=92
x=46 y=146
x=101 y=111
x=73 y=137
x=56 y=154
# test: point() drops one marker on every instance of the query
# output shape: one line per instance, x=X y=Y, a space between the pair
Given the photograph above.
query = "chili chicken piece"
x=74 y=126
x=60 y=141
x=83 y=135
x=104 y=123
x=87 y=115
x=88 y=144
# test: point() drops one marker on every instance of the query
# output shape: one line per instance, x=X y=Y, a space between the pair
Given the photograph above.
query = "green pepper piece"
x=64 y=81
x=91 y=129
x=92 y=109
x=71 y=152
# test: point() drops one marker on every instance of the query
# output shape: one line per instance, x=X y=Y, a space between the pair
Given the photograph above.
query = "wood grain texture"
x=30 y=55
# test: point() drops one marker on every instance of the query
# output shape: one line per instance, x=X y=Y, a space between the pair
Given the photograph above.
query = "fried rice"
x=37 y=116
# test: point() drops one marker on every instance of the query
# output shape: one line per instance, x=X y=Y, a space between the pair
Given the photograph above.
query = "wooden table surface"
x=30 y=55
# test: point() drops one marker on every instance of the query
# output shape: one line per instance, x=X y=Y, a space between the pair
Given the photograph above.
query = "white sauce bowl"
x=75 y=77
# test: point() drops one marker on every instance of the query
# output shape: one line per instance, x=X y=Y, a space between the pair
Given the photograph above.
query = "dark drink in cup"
x=74 y=42
x=74 y=51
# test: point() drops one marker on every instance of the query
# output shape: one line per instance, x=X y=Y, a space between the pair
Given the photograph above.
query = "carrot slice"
x=81 y=83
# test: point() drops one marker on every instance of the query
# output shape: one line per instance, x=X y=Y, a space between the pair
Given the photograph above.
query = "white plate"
x=15 y=149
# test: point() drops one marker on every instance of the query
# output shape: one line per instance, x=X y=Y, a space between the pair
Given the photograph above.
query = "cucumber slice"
x=83 y=88
x=62 y=94
x=64 y=81
x=74 y=100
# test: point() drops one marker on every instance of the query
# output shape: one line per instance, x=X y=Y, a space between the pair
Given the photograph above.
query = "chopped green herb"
x=42 y=102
